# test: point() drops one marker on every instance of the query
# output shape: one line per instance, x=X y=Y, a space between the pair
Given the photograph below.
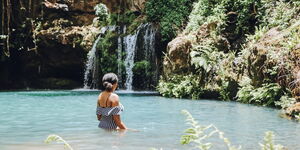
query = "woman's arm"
x=117 y=118
x=118 y=122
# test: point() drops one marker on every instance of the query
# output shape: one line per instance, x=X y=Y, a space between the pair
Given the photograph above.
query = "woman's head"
x=110 y=81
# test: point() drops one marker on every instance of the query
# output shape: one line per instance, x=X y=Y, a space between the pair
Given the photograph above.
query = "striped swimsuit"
x=106 y=121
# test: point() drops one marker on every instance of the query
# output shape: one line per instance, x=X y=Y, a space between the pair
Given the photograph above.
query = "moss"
x=135 y=24
x=108 y=60
x=122 y=19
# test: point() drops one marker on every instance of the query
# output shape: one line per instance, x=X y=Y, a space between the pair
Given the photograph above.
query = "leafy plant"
x=285 y=102
x=56 y=138
x=101 y=12
x=142 y=68
x=181 y=86
x=279 y=13
x=269 y=143
x=206 y=11
x=265 y=95
x=197 y=134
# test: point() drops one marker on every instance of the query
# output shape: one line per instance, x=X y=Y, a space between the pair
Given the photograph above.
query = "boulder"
x=177 y=59
x=294 y=110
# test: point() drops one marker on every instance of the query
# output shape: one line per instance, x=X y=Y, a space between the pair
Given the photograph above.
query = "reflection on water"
x=27 y=118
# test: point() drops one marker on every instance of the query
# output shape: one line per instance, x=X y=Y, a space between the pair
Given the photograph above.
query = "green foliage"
x=181 y=86
x=205 y=57
x=56 y=138
x=142 y=68
x=265 y=95
x=285 y=102
x=101 y=12
x=206 y=11
x=170 y=14
x=126 y=18
x=278 y=13
x=240 y=15
x=108 y=59
x=215 y=69
x=197 y=134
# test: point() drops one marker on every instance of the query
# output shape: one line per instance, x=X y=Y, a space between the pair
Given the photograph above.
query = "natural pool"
x=27 y=118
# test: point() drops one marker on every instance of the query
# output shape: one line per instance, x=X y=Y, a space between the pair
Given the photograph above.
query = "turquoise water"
x=27 y=118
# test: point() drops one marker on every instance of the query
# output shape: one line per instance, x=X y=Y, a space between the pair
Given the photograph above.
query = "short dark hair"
x=108 y=80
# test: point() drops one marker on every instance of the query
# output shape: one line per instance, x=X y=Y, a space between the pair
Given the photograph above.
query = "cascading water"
x=91 y=74
x=145 y=34
x=91 y=69
x=139 y=46
x=149 y=47
x=130 y=47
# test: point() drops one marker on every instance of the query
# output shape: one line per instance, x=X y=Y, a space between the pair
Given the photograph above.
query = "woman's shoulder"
x=114 y=98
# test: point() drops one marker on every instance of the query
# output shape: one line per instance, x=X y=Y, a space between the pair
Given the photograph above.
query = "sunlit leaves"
x=56 y=138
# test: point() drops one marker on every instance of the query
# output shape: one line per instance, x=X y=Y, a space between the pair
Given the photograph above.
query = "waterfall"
x=91 y=68
x=143 y=41
x=130 y=47
x=138 y=46
x=149 y=48
x=120 y=47
x=91 y=74
x=120 y=52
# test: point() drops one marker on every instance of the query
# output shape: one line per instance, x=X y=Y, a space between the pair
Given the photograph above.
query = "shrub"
x=142 y=68
x=237 y=16
x=206 y=11
x=181 y=86
x=278 y=13
x=265 y=95
x=170 y=14
x=285 y=102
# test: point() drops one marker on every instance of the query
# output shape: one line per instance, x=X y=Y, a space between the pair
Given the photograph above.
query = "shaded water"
x=27 y=118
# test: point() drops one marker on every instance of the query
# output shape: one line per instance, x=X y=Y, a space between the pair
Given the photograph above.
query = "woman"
x=108 y=106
